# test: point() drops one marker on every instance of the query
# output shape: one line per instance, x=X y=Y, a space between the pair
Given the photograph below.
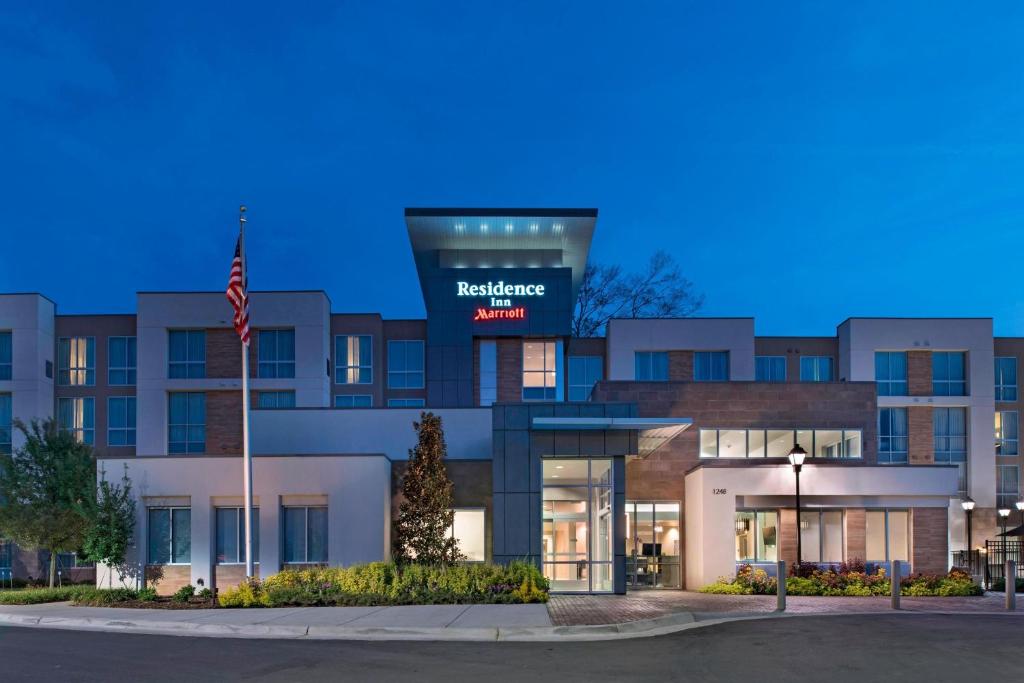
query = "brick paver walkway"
x=611 y=609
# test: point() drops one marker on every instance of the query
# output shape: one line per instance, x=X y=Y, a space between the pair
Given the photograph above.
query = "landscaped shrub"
x=382 y=583
x=1000 y=585
x=184 y=594
x=148 y=595
x=35 y=596
x=848 y=579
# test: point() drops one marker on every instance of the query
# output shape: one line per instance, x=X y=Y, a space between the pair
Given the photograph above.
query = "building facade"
x=653 y=457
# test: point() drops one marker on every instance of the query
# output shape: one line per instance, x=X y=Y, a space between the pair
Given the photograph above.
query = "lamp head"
x=1004 y=512
x=797 y=455
x=967 y=504
x=1019 y=504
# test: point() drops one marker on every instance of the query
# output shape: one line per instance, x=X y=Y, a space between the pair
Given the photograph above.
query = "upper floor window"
x=121 y=361
x=584 y=373
x=78 y=416
x=770 y=368
x=76 y=361
x=405 y=364
x=186 y=354
x=776 y=443
x=711 y=366
x=651 y=366
x=6 y=423
x=276 y=351
x=891 y=373
x=1007 y=485
x=949 y=373
x=6 y=355
x=1007 y=437
x=186 y=422
x=406 y=403
x=950 y=436
x=353 y=401
x=815 y=368
x=275 y=399
x=1006 y=378
x=121 y=421
x=892 y=435
x=488 y=379
x=540 y=374
x=353 y=354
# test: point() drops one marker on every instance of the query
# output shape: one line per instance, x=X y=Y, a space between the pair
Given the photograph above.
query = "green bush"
x=147 y=595
x=847 y=580
x=725 y=588
x=383 y=583
x=184 y=594
x=1000 y=585
x=35 y=596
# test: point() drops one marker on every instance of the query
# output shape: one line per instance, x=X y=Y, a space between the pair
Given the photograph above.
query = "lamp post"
x=796 y=459
x=968 y=505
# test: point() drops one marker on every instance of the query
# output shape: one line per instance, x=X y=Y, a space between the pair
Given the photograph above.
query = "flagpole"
x=246 y=455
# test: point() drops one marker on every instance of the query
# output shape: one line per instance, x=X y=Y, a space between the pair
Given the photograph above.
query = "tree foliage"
x=658 y=291
x=111 y=516
x=425 y=515
x=46 y=486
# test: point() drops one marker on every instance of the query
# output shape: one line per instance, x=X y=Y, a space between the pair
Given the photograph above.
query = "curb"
x=646 y=628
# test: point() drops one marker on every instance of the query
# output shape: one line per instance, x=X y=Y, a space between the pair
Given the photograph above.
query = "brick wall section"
x=680 y=366
x=855 y=523
x=224 y=353
x=930 y=552
x=230 y=575
x=168 y=578
x=787 y=536
x=919 y=373
x=510 y=370
x=223 y=422
x=921 y=431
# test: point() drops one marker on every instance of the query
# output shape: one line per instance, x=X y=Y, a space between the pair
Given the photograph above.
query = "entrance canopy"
x=652 y=432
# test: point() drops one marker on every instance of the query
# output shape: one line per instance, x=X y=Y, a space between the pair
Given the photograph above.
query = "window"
x=6 y=423
x=468 y=531
x=1007 y=436
x=276 y=351
x=892 y=435
x=121 y=421
x=821 y=536
x=231 y=535
x=776 y=443
x=651 y=366
x=76 y=361
x=353 y=401
x=584 y=373
x=815 y=368
x=6 y=355
x=186 y=354
x=757 y=536
x=488 y=372
x=186 y=422
x=1006 y=377
x=70 y=561
x=78 y=416
x=275 y=399
x=711 y=366
x=170 y=535
x=540 y=374
x=950 y=432
x=405 y=364
x=121 y=361
x=305 y=535
x=406 y=403
x=887 y=535
x=353 y=356
x=948 y=373
x=891 y=373
x=770 y=368
x=577 y=537
x=1007 y=485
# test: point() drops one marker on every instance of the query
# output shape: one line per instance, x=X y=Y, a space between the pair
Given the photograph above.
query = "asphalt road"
x=909 y=647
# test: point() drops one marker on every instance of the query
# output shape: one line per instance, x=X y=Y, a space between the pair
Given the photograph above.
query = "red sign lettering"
x=517 y=313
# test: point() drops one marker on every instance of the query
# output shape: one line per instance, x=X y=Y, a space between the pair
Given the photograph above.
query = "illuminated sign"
x=499 y=288
x=484 y=313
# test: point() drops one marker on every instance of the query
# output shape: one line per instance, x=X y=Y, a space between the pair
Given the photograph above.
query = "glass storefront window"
x=653 y=544
x=757 y=536
x=821 y=535
x=776 y=443
x=578 y=532
x=887 y=535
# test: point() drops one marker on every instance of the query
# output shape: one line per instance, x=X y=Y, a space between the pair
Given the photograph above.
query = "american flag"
x=237 y=294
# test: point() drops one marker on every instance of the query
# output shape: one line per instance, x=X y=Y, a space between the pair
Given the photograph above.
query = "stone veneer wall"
x=929 y=540
x=920 y=435
x=919 y=373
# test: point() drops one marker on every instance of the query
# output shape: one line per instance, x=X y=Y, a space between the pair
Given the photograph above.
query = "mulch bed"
x=161 y=603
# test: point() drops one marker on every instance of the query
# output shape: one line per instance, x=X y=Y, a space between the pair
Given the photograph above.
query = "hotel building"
x=653 y=457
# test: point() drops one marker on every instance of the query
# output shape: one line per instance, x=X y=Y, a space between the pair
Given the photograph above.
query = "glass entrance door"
x=653 y=545
x=578 y=530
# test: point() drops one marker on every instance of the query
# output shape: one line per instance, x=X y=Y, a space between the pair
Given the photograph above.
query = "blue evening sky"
x=804 y=162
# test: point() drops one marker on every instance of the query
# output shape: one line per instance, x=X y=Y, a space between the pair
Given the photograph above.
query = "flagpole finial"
x=241 y=213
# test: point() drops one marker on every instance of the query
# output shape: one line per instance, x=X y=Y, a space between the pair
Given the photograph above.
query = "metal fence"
x=988 y=564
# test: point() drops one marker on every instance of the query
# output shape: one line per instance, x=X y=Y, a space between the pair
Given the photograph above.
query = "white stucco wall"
x=30 y=318
x=713 y=495
x=735 y=335
x=357 y=488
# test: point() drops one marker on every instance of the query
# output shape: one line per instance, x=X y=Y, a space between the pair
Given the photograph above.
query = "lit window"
x=651 y=366
x=584 y=373
x=948 y=373
x=776 y=443
x=1006 y=378
x=1007 y=435
x=821 y=536
x=405 y=364
x=406 y=403
x=121 y=361
x=891 y=373
x=231 y=535
x=186 y=423
x=186 y=354
x=757 y=536
x=170 y=535
x=276 y=351
x=78 y=416
x=305 y=535
x=275 y=399
x=121 y=421
x=887 y=535
x=353 y=401
x=892 y=435
x=468 y=531
x=815 y=368
x=76 y=361
x=539 y=371
x=353 y=359
x=770 y=368
x=711 y=366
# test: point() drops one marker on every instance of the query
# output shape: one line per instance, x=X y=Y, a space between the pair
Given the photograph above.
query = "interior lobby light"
x=483 y=228
x=509 y=228
x=534 y=228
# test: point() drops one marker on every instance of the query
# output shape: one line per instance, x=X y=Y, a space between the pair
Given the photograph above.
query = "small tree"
x=45 y=486
x=425 y=516
x=111 y=516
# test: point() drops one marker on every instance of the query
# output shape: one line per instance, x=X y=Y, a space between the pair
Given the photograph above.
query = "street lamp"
x=1020 y=508
x=796 y=459
x=968 y=505
x=1003 y=514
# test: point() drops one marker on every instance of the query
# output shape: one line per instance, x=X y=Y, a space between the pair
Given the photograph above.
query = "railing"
x=997 y=553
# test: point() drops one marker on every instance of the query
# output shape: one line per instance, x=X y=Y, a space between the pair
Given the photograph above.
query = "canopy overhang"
x=652 y=432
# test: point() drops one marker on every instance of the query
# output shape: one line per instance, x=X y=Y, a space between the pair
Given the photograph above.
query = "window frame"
x=770 y=362
x=7 y=366
x=277 y=394
x=82 y=434
x=368 y=397
x=758 y=534
x=549 y=392
x=890 y=386
x=192 y=368
x=1005 y=498
x=239 y=534
x=710 y=357
x=65 y=373
x=586 y=385
x=451 y=529
x=888 y=534
x=1002 y=440
x=188 y=425
x=949 y=384
x=904 y=438
x=7 y=427
x=342 y=369
x=1005 y=391
x=816 y=360
x=131 y=421
x=172 y=510
x=305 y=534
x=396 y=403
x=130 y=368
x=811 y=447
x=648 y=360
x=821 y=512
x=282 y=368
x=406 y=373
